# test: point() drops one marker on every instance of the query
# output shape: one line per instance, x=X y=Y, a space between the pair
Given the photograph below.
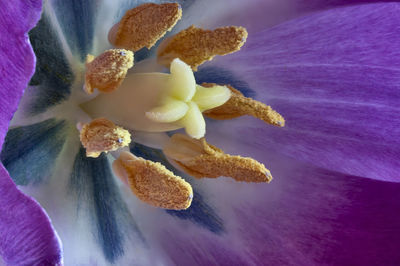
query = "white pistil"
x=157 y=102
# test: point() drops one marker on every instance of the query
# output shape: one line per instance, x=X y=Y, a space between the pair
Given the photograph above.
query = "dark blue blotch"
x=145 y=53
x=199 y=212
x=76 y=18
x=186 y=4
x=92 y=182
x=29 y=152
x=148 y=153
x=53 y=76
x=223 y=77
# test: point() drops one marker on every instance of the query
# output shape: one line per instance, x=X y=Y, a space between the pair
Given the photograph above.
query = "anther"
x=153 y=183
x=194 y=46
x=102 y=135
x=144 y=25
x=107 y=71
x=200 y=159
x=239 y=105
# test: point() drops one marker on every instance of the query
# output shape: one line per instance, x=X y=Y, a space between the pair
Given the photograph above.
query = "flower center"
x=160 y=102
x=157 y=102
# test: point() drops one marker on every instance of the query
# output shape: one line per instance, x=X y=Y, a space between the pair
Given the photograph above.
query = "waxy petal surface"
x=305 y=216
x=346 y=210
x=26 y=235
x=334 y=76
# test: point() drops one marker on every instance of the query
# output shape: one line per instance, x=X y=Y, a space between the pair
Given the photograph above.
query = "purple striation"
x=334 y=76
x=305 y=216
x=257 y=15
x=26 y=234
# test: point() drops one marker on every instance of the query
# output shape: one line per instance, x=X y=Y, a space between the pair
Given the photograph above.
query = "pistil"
x=160 y=102
x=181 y=107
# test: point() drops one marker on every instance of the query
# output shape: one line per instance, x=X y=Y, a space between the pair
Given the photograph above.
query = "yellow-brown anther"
x=107 y=71
x=144 y=25
x=239 y=105
x=153 y=183
x=102 y=135
x=200 y=159
x=194 y=46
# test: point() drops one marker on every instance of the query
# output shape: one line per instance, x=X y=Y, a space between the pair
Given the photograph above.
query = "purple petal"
x=334 y=76
x=26 y=235
x=255 y=15
x=16 y=58
x=305 y=216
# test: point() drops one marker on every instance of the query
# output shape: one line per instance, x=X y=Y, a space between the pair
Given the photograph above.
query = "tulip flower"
x=122 y=146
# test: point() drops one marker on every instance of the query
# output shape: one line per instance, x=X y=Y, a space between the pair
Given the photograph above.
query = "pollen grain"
x=239 y=105
x=102 y=135
x=194 y=45
x=200 y=159
x=107 y=71
x=152 y=183
x=144 y=25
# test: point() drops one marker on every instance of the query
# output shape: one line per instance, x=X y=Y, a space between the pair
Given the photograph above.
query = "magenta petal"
x=26 y=234
x=257 y=15
x=17 y=60
x=305 y=216
x=334 y=75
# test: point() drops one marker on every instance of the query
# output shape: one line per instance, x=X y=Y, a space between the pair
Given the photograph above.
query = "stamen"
x=194 y=46
x=107 y=71
x=200 y=159
x=102 y=135
x=239 y=105
x=153 y=183
x=144 y=25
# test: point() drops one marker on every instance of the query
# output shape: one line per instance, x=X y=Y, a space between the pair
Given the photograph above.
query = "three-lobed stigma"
x=185 y=100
